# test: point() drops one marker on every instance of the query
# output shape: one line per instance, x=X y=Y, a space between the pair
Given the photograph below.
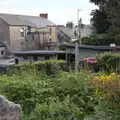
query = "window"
x=2 y=52
x=25 y=57
x=22 y=34
x=50 y=31
x=35 y=58
x=47 y=57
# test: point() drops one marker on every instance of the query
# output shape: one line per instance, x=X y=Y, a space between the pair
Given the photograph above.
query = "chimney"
x=44 y=15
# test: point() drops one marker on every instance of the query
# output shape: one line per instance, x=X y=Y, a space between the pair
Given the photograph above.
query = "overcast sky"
x=60 y=11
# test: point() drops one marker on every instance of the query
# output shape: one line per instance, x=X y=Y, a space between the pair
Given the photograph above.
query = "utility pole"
x=76 y=44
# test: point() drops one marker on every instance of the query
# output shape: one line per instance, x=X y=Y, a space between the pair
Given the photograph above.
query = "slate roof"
x=67 y=31
x=21 y=20
x=2 y=44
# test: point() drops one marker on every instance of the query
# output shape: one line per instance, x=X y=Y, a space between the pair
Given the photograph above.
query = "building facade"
x=21 y=32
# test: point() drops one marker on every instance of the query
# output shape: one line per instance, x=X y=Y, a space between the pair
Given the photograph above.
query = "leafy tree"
x=108 y=13
x=100 y=21
x=113 y=9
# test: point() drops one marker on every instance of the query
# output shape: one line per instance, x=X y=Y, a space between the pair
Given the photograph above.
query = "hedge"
x=109 y=62
x=49 y=67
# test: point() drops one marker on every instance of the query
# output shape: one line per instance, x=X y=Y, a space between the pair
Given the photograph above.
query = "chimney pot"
x=44 y=15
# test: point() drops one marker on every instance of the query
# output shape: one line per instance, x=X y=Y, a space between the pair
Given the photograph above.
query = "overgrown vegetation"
x=106 y=23
x=108 y=93
x=101 y=40
x=109 y=62
x=107 y=16
x=57 y=95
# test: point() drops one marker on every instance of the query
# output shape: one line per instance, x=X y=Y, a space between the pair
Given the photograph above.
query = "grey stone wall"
x=9 y=110
x=17 y=42
x=4 y=32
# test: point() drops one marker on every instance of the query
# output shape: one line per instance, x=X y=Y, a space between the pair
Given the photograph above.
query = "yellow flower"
x=105 y=84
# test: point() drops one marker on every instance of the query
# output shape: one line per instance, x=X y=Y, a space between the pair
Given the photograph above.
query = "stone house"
x=22 y=32
x=85 y=30
x=68 y=34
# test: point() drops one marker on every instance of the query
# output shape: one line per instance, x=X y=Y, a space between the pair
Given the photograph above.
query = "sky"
x=59 y=11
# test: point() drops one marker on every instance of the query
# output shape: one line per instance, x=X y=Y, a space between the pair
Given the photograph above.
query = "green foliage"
x=105 y=110
x=109 y=62
x=73 y=98
x=99 y=40
x=65 y=96
x=55 y=109
x=50 y=67
x=108 y=94
x=27 y=90
x=100 y=21
x=108 y=13
x=98 y=2
x=77 y=87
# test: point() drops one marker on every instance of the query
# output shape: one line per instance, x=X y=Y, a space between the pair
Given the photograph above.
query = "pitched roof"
x=33 y=21
x=2 y=44
x=67 y=31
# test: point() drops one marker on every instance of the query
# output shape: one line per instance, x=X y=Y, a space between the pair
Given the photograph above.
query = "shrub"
x=76 y=86
x=99 y=39
x=56 y=109
x=73 y=98
x=107 y=86
x=109 y=62
x=49 y=67
x=105 y=110
x=108 y=93
x=27 y=90
x=65 y=96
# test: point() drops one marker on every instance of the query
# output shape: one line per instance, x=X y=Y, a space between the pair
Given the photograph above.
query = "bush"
x=109 y=62
x=78 y=89
x=65 y=96
x=27 y=90
x=99 y=40
x=107 y=86
x=50 y=67
x=105 y=110
x=108 y=93
x=55 y=109
x=73 y=99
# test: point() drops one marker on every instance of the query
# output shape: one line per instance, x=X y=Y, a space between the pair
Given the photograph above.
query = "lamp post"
x=76 y=43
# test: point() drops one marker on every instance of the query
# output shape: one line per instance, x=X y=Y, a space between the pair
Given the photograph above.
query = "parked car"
x=90 y=60
x=91 y=63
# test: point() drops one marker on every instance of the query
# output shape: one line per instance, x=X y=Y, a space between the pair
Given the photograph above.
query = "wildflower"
x=106 y=85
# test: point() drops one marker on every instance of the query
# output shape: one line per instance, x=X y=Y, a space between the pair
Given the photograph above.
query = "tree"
x=108 y=14
x=100 y=21
x=98 y=2
x=113 y=10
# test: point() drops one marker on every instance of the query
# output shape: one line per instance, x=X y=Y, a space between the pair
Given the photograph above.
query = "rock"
x=9 y=110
